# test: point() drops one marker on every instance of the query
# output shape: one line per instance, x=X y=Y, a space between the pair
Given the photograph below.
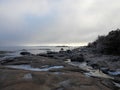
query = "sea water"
x=14 y=51
x=28 y=67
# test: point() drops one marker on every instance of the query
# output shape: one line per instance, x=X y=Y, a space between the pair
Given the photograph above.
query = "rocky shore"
x=78 y=69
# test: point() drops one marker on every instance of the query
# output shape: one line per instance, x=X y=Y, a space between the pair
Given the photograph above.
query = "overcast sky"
x=51 y=22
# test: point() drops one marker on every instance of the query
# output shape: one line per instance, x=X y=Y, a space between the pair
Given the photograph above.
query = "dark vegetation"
x=107 y=44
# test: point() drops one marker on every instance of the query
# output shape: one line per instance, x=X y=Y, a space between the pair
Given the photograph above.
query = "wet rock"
x=65 y=83
x=114 y=73
x=51 y=52
x=104 y=70
x=117 y=79
x=110 y=72
x=68 y=51
x=115 y=59
x=27 y=76
x=60 y=89
x=42 y=54
x=78 y=58
x=6 y=61
x=116 y=82
x=95 y=66
x=102 y=63
x=117 y=85
x=61 y=50
x=25 y=53
x=55 y=55
x=98 y=64
x=109 y=84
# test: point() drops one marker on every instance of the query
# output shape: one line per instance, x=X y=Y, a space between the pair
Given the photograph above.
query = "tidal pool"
x=28 y=67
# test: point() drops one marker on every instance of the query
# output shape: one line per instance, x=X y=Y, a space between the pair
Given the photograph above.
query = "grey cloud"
x=56 y=21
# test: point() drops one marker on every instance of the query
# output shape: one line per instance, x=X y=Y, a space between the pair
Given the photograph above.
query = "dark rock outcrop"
x=95 y=66
x=25 y=53
x=78 y=58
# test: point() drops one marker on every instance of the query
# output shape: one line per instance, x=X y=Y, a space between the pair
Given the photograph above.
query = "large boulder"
x=77 y=58
x=25 y=53
x=95 y=66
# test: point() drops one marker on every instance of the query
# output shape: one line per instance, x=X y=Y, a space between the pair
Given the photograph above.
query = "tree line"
x=107 y=44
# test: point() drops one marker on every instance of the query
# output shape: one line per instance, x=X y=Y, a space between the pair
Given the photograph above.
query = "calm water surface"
x=32 y=49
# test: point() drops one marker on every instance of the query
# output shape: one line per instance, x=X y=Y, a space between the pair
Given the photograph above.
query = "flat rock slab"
x=28 y=76
x=68 y=79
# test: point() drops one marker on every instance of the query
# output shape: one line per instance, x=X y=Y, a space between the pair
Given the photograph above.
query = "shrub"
x=109 y=44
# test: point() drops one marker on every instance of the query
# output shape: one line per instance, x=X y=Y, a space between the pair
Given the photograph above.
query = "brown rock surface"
x=58 y=79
